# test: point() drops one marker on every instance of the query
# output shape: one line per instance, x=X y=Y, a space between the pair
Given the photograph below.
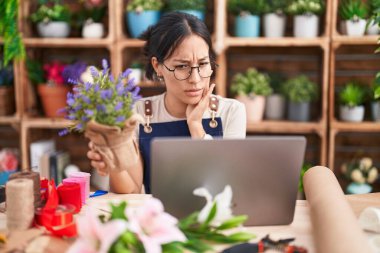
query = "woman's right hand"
x=96 y=160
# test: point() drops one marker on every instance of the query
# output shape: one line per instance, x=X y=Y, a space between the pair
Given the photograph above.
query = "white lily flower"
x=223 y=204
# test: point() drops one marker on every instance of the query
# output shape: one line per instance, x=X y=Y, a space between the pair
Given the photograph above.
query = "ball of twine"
x=35 y=177
x=20 y=203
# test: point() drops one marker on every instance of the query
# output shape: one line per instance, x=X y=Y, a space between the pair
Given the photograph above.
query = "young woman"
x=179 y=54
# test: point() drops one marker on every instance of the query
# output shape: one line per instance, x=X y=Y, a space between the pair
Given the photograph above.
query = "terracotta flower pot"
x=53 y=99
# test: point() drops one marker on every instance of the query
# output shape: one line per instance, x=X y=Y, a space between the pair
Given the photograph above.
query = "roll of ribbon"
x=20 y=203
x=369 y=219
x=61 y=216
x=70 y=194
x=35 y=177
x=82 y=183
x=84 y=175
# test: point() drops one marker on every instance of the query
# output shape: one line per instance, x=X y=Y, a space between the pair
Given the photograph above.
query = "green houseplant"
x=353 y=14
x=275 y=103
x=90 y=18
x=251 y=88
x=141 y=14
x=275 y=18
x=300 y=91
x=352 y=98
x=247 y=16
x=52 y=19
x=373 y=22
x=375 y=97
x=306 y=17
x=193 y=7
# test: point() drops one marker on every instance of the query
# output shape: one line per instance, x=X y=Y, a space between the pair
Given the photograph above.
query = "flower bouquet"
x=102 y=107
x=147 y=228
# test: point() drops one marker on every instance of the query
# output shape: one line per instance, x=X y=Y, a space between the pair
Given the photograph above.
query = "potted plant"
x=275 y=18
x=353 y=14
x=361 y=173
x=306 y=17
x=372 y=25
x=300 y=91
x=141 y=14
x=251 y=88
x=352 y=98
x=7 y=96
x=193 y=7
x=247 y=16
x=375 y=95
x=136 y=71
x=275 y=103
x=90 y=18
x=52 y=19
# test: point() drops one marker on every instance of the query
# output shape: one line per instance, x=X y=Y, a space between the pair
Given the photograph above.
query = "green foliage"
x=251 y=83
x=277 y=80
x=48 y=12
x=199 y=5
x=95 y=14
x=6 y=75
x=352 y=94
x=118 y=211
x=136 y=65
x=374 y=5
x=35 y=71
x=145 y=5
x=276 y=6
x=353 y=10
x=300 y=89
x=13 y=45
x=375 y=89
x=301 y=7
x=304 y=168
x=254 y=7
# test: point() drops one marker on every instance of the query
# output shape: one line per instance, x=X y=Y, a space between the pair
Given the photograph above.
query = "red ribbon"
x=56 y=219
x=70 y=193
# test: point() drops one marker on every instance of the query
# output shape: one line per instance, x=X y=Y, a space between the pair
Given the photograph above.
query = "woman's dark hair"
x=163 y=38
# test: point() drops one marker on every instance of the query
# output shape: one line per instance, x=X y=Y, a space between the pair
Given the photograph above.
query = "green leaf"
x=174 y=247
x=118 y=211
x=241 y=237
x=210 y=216
x=197 y=246
x=233 y=222
x=188 y=221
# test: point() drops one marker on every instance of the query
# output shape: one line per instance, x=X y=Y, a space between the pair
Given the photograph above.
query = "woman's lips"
x=194 y=92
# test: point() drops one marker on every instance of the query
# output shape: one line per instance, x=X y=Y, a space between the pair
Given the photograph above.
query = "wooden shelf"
x=349 y=40
x=285 y=127
x=150 y=85
x=48 y=123
x=4 y=120
x=366 y=126
x=67 y=42
x=276 y=42
x=131 y=43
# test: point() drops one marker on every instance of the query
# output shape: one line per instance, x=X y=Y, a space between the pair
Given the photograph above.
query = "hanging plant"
x=13 y=45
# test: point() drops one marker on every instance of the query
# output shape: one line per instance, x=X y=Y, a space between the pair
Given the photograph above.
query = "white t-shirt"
x=231 y=112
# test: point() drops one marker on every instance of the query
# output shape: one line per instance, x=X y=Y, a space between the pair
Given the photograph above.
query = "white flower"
x=357 y=176
x=223 y=205
x=365 y=163
x=372 y=175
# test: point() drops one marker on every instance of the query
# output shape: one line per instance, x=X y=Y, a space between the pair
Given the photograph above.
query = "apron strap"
x=214 y=105
x=148 y=115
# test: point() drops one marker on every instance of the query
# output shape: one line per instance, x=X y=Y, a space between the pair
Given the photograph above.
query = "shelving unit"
x=122 y=50
x=345 y=43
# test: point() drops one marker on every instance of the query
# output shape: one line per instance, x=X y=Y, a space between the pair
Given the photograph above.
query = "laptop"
x=262 y=171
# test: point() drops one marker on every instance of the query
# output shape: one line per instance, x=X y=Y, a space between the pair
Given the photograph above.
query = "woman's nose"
x=194 y=76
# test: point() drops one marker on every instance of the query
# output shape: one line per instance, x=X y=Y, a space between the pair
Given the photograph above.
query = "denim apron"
x=172 y=129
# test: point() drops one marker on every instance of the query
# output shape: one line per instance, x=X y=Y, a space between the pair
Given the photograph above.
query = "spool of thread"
x=84 y=175
x=20 y=203
x=70 y=194
x=35 y=177
x=82 y=184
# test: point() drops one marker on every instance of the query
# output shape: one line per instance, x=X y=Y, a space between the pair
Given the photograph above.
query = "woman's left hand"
x=194 y=113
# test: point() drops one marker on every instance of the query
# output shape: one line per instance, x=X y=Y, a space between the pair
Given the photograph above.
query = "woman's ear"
x=155 y=65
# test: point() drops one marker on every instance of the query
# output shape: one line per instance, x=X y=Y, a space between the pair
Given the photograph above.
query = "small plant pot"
x=355 y=28
x=136 y=74
x=53 y=29
x=275 y=107
x=53 y=99
x=199 y=14
x=373 y=29
x=298 y=111
x=274 y=25
x=7 y=100
x=306 y=26
x=356 y=188
x=254 y=106
x=138 y=22
x=352 y=114
x=93 y=30
x=247 y=26
x=375 y=106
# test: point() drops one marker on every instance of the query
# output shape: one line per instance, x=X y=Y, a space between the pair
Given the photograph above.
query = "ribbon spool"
x=20 y=203
x=82 y=185
x=70 y=194
x=61 y=216
x=84 y=175
x=35 y=177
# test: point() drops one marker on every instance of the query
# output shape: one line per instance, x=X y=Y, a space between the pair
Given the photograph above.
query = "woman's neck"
x=175 y=107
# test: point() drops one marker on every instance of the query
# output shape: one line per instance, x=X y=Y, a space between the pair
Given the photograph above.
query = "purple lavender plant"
x=106 y=99
x=73 y=71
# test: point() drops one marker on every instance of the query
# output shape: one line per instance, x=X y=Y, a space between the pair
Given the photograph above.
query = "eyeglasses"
x=183 y=72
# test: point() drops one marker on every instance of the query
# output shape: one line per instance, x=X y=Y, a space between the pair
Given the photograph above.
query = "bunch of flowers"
x=101 y=98
x=8 y=160
x=360 y=171
x=92 y=11
x=148 y=228
x=53 y=73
